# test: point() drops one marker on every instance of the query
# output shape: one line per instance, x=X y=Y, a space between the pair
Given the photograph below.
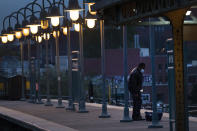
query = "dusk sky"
x=9 y=6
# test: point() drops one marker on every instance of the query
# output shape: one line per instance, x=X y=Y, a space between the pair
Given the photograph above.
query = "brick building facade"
x=114 y=67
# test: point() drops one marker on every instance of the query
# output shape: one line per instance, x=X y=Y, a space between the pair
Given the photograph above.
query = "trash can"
x=148 y=115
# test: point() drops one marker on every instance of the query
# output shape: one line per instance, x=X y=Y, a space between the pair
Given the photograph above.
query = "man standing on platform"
x=135 y=87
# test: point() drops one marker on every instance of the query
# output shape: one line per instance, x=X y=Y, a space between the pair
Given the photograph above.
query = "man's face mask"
x=142 y=70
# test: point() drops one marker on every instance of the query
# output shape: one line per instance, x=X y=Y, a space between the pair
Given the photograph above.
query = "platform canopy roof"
x=126 y=11
x=137 y=12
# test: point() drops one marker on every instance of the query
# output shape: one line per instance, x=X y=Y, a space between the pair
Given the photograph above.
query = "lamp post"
x=66 y=31
x=104 y=113
x=46 y=38
x=54 y=15
x=22 y=59
x=155 y=123
x=73 y=9
x=39 y=41
x=29 y=46
x=18 y=35
x=30 y=71
x=70 y=104
x=171 y=85
x=60 y=105
x=22 y=67
x=82 y=106
x=126 y=117
x=44 y=23
x=91 y=18
x=25 y=32
x=33 y=26
x=22 y=73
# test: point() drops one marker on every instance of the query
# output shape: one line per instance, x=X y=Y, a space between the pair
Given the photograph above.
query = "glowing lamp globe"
x=74 y=15
x=46 y=36
x=91 y=20
x=44 y=24
x=77 y=27
x=4 y=39
x=18 y=34
x=73 y=9
x=36 y=38
x=55 y=21
x=56 y=34
x=25 y=31
x=65 y=31
x=10 y=37
x=90 y=10
x=91 y=23
x=44 y=21
x=54 y=15
x=39 y=39
x=34 y=29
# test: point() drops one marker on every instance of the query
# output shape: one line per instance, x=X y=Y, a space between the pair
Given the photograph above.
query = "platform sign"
x=75 y=75
x=75 y=60
x=33 y=74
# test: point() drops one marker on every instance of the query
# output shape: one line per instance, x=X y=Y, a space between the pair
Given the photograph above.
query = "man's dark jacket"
x=135 y=81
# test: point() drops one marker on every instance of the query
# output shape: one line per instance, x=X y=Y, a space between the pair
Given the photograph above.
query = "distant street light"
x=91 y=20
x=10 y=37
x=26 y=31
x=90 y=3
x=54 y=15
x=4 y=39
x=65 y=30
x=55 y=21
x=77 y=27
x=39 y=39
x=43 y=19
x=46 y=36
x=33 y=24
x=56 y=33
x=18 y=34
x=73 y=9
x=10 y=33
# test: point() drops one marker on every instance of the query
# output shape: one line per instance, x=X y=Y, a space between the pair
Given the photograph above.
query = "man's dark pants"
x=137 y=102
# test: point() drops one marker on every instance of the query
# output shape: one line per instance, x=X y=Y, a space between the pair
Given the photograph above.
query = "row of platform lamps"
x=45 y=32
x=54 y=15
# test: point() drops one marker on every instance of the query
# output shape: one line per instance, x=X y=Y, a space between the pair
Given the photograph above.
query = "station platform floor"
x=50 y=118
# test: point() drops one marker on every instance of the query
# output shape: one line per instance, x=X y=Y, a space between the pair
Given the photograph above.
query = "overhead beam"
x=103 y=4
x=186 y=22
